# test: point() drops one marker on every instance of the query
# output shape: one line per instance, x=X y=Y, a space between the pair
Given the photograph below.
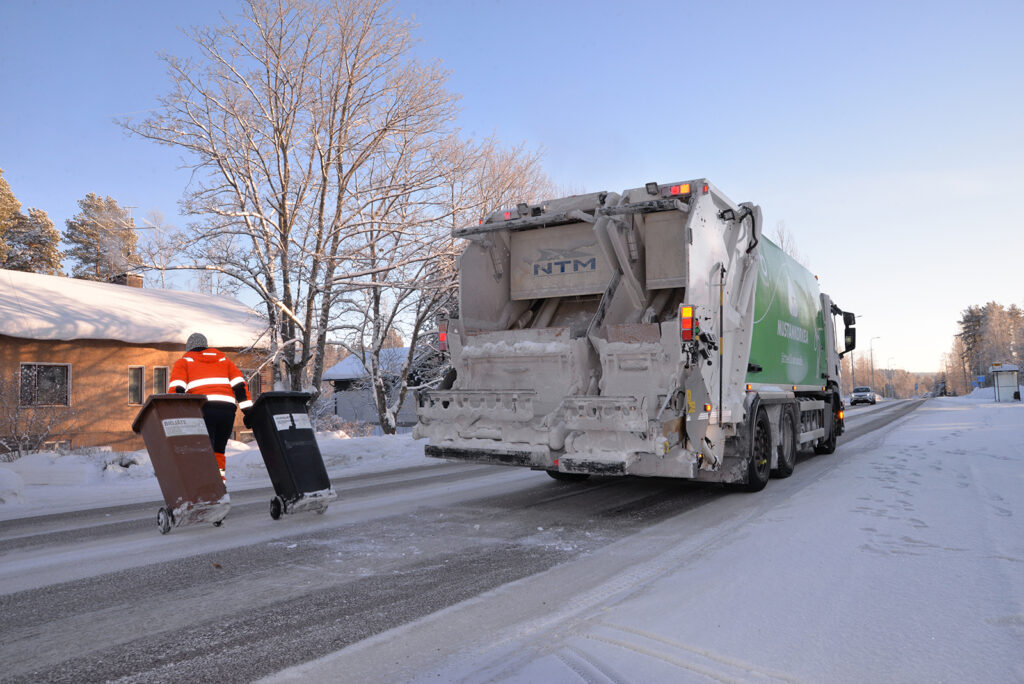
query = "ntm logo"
x=560 y=262
x=566 y=266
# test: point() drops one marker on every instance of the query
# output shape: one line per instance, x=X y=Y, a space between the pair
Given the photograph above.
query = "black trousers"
x=220 y=418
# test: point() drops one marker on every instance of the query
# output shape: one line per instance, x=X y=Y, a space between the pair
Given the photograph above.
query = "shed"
x=353 y=398
x=1005 y=381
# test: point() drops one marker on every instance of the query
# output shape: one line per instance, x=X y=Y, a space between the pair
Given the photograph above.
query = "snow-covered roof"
x=44 y=307
x=1003 y=367
x=351 y=368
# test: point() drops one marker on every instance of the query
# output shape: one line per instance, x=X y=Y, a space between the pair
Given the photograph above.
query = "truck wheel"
x=163 y=520
x=759 y=465
x=568 y=477
x=829 y=444
x=787 y=444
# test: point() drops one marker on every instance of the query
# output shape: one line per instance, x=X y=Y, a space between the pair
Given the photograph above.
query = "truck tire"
x=828 y=445
x=568 y=477
x=759 y=462
x=787 y=443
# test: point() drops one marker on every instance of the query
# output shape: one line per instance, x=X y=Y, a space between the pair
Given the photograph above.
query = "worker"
x=207 y=371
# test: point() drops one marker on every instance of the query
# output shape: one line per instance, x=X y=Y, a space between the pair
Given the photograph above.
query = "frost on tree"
x=32 y=244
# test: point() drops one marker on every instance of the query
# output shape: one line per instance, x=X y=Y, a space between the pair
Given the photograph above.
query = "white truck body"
x=570 y=356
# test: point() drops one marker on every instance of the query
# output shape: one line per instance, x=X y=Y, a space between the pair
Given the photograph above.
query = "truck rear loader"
x=654 y=332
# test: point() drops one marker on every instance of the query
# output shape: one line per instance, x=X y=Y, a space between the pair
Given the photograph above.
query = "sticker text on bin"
x=182 y=427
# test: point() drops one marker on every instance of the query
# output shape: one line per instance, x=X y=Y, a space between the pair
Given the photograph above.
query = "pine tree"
x=971 y=322
x=32 y=244
x=102 y=238
x=9 y=209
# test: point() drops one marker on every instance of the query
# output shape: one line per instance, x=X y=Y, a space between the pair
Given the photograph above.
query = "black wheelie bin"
x=285 y=436
x=178 y=443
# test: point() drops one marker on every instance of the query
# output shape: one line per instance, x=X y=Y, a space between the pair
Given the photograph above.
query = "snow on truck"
x=652 y=333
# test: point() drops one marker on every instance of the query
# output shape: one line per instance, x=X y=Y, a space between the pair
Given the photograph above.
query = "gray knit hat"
x=196 y=341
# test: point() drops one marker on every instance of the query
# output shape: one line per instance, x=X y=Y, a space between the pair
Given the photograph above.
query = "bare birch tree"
x=282 y=118
x=403 y=271
x=787 y=243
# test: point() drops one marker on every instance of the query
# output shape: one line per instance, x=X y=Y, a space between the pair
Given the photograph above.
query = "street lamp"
x=871 y=347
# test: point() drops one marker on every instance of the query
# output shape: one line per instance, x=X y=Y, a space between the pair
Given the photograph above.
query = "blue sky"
x=888 y=137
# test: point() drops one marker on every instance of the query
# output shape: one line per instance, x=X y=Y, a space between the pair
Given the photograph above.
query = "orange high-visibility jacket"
x=209 y=372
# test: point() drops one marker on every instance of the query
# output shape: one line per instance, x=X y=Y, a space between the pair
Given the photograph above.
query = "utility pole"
x=871 y=346
x=890 y=388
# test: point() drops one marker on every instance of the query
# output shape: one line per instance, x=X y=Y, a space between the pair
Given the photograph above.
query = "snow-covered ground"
x=903 y=563
x=898 y=559
x=51 y=483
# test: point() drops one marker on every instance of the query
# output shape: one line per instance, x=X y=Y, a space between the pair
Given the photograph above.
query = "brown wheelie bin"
x=175 y=434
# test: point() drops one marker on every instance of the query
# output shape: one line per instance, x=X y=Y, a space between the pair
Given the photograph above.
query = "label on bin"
x=284 y=421
x=180 y=427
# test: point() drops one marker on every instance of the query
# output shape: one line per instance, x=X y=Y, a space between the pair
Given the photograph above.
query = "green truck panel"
x=787 y=338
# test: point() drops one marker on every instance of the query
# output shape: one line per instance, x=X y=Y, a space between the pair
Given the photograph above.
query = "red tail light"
x=442 y=336
x=686 y=325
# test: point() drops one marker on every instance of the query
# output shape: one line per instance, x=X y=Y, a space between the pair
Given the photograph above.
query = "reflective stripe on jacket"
x=210 y=373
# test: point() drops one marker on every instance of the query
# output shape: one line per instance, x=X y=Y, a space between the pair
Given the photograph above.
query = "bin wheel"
x=218 y=523
x=163 y=520
x=276 y=507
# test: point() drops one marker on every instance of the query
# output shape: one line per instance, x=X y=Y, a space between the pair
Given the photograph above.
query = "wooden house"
x=79 y=358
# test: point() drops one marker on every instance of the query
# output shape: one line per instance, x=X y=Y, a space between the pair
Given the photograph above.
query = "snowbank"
x=48 y=482
x=978 y=395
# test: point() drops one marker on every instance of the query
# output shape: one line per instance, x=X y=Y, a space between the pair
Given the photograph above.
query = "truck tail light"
x=686 y=323
x=442 y=336
x=681 y=189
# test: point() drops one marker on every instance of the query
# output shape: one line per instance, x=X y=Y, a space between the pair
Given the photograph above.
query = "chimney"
x=129 y=279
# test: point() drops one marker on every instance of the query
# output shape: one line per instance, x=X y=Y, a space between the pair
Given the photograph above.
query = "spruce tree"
x=32 y=244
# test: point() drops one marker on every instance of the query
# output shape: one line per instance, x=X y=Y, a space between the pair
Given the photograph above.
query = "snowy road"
x=413 y=571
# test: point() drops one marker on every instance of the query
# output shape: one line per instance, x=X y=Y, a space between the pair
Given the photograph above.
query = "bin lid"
x=282 y=394
x=157 y=398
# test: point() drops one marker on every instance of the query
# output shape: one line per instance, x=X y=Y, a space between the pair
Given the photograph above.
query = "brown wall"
x=100 y=414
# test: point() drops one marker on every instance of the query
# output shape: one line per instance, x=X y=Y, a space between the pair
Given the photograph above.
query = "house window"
x=45 y=384
x=160 y=374
x=136 y=384
x=60 y=445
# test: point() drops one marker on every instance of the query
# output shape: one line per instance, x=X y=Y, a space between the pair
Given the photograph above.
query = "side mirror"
x=849 y=320
x=850 y=339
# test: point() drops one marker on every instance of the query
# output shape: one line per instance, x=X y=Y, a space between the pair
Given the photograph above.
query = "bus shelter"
x=1005 y=380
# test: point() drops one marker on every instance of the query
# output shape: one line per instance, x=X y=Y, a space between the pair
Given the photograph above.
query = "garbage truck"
x=654 y=332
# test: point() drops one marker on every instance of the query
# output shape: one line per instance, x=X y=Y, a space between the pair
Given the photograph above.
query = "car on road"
x=863 y=395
